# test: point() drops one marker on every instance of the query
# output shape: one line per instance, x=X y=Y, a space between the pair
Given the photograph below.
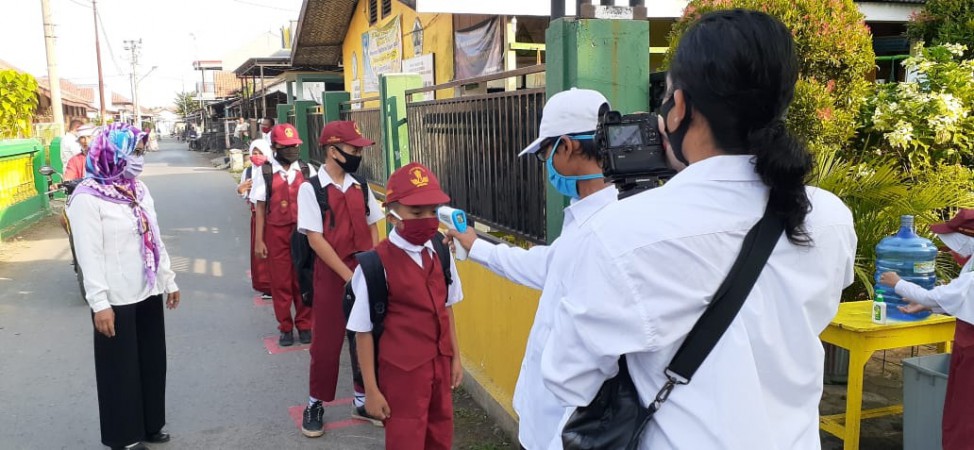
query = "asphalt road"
x=225 y=389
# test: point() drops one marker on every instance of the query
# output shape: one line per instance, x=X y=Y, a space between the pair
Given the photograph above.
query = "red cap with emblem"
x=285 y=134
x=415 y=185
x=962 y=223
x=343 y=132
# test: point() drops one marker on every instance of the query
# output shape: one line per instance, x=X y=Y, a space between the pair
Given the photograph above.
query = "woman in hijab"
x=127 y=271
x=260 y=153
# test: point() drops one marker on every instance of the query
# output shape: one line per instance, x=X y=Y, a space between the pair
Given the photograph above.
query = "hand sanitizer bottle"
x=879 y=309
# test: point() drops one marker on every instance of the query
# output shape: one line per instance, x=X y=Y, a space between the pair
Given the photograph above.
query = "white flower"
x=901 y=136
x=956 y=49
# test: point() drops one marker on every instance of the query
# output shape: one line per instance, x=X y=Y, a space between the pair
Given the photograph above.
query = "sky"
x=166 y=28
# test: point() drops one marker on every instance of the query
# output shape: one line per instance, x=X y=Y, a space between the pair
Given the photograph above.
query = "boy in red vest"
x=409 y=381
x=275 y=222
x=346 y=227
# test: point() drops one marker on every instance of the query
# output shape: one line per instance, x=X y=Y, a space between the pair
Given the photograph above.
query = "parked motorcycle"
x=67 y=188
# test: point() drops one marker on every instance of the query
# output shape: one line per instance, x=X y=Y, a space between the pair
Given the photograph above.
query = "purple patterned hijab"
x=107 y=158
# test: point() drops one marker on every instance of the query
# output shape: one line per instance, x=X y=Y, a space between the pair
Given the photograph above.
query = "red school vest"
x=283 y=205
x=351 y=233
x=417 y=325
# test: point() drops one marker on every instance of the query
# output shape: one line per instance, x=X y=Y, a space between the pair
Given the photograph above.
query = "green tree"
x=185 y=104
x=18 y=100
x=945 y=22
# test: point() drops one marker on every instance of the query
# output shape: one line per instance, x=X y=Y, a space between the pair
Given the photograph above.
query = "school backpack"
x=268 y=171
x=375 y=280
x=302 y=255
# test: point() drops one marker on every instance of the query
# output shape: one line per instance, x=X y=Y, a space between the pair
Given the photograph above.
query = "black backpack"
x=268 y=171
x=302 y=255
x=375 y=279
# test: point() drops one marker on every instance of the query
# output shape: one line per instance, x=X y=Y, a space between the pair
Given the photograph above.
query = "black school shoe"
x=304 y=336
x=359 y=412
x=136 y=446
x=158 y=438
x=286 y=340
x=313 y=423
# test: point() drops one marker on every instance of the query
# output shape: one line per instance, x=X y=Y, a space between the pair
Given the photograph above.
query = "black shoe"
x=136 y=446
x=266 y=296
x=158 y=438
x=360 y=413
x=304 y=336
x=313 y=424
x=286 y=340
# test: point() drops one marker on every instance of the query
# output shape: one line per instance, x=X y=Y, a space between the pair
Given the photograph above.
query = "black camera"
x=631 y=148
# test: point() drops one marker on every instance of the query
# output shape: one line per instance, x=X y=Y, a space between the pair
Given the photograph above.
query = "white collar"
x=399 y=241
x=326 y=178
x=719 y=168
x=583 y=209
x=278 y=167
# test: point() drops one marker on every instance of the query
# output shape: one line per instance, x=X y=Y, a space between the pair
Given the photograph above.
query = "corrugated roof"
x=321 y=31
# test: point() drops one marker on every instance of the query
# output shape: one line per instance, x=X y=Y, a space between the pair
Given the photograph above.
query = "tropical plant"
x=18 y=100
x=185 y=103
x=944 y=22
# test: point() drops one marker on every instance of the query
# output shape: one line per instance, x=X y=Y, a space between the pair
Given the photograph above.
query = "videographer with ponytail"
x=654 y=261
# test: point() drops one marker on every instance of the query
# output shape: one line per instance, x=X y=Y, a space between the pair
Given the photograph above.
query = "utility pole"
x=135 y=47
x=57 y=107
x=101 y=80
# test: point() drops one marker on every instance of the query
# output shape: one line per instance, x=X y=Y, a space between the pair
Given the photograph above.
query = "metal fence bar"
x=370 y=124
x=315 y=123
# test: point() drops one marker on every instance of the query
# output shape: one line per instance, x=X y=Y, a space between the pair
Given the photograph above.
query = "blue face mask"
x=567 y=185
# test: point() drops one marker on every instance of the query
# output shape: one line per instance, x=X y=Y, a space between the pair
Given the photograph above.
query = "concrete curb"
x=481 y=395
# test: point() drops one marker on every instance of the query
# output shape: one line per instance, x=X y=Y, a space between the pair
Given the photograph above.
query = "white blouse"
x=109 y=251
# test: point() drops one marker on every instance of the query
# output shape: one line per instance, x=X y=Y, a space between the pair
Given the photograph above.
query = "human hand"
x=172 y=300
x=245 y=186
x=466 y=239
x=260 y=249
x=456 y=373
x=889 y=279
x=377 y=406
x=913 y=308
x=105 y=322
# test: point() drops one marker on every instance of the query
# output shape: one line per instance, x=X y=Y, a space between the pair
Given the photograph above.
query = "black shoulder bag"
x=616 y=417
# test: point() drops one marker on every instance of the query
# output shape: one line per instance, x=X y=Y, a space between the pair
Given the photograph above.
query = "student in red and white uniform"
x=260 y=153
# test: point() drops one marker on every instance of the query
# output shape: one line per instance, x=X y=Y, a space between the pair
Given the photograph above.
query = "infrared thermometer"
x=454 y=219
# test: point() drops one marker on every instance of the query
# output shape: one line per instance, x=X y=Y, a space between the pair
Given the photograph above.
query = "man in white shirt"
x=566 y=146
x=649 y=265
x=266 y=125
x=69 y=142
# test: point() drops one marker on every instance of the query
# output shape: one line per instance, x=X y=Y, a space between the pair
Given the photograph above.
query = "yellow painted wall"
x=437 y=39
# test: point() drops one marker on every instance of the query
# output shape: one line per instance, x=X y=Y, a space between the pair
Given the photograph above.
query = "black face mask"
x=351 y=161
x=676 y=136
x=288 y=154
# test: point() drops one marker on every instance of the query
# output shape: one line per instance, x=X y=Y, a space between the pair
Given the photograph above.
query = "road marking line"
x=270 y=343
x=259 y=301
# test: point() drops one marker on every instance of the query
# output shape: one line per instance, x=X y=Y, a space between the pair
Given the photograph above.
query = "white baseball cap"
x=86 y=131
x=569 y=112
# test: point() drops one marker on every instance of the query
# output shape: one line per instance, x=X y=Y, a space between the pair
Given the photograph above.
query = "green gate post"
x=301 y=108
x=609 y=56
x=332 y=102
x=282 y=111
x=392 y=108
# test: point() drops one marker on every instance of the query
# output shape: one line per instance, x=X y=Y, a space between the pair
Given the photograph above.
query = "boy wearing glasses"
x=570 y=155
x=275 y=195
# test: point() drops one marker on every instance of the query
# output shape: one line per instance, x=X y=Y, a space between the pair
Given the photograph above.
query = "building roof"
x=71 y=94
x=321 y=31
x=225 y=84
x=119 y=99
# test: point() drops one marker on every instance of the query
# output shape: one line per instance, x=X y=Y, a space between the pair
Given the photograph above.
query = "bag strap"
x=443 y=253
x=321 y=195
x=375 y=280
x=717 y=318
x=365 y=192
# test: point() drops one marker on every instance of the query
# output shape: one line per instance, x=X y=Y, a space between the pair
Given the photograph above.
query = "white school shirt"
x=309 y=212
x=649 y=266
x=108 y=245
x=955 y=298
x=538 y=409
x=69 y=147
x=258 y=193
x=359 y=320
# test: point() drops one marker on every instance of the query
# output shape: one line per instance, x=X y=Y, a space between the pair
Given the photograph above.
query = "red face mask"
x=258 y=160
x=265 y=129
x=418 y=231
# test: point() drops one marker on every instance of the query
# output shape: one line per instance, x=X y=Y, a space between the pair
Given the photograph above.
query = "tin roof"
x=321 y=31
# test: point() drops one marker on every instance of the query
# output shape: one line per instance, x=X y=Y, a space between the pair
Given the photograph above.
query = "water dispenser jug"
x=913 y=258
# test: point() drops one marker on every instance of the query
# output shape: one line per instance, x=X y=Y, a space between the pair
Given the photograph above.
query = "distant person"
x=260 y=153
x=241 y=133
x=126 y=272
x=69 y=142
x=266 y=125
x=153 y=145
x=75 y=167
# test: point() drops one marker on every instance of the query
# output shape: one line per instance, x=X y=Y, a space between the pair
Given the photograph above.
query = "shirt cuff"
x=172 y=287
x=481 y=251
x=100 y=306
x=903 y=288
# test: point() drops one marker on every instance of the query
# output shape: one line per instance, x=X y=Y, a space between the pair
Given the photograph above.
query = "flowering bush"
x=927 y=121
x=944 y=22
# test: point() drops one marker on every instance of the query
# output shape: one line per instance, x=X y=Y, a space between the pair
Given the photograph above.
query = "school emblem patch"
x=289 y=132
x=420 y=178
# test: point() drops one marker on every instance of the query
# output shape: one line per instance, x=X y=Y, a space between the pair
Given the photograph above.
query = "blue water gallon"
x=913 y=258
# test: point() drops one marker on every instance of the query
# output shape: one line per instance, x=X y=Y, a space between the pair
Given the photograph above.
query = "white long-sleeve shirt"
x=108 y=245
x=649 y=266
x=69 y=147
x=359 y=319
x=541 y=267
x=955 y=298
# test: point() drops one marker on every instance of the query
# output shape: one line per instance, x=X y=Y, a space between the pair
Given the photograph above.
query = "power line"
x=111 y=51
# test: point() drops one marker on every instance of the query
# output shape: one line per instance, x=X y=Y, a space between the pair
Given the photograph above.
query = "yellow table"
x=853 y=329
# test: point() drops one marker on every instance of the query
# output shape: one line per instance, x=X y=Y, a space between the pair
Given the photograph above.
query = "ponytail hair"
x=740 y=69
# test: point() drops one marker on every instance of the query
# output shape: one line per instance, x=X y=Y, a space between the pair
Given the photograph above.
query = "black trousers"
x=130 y=370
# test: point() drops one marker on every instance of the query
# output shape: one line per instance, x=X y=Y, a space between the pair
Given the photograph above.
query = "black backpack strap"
x=443 y=252
x=365 y=192
x=305 y=169
x=375 y=279
x=267 y=170
x=321 y=194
